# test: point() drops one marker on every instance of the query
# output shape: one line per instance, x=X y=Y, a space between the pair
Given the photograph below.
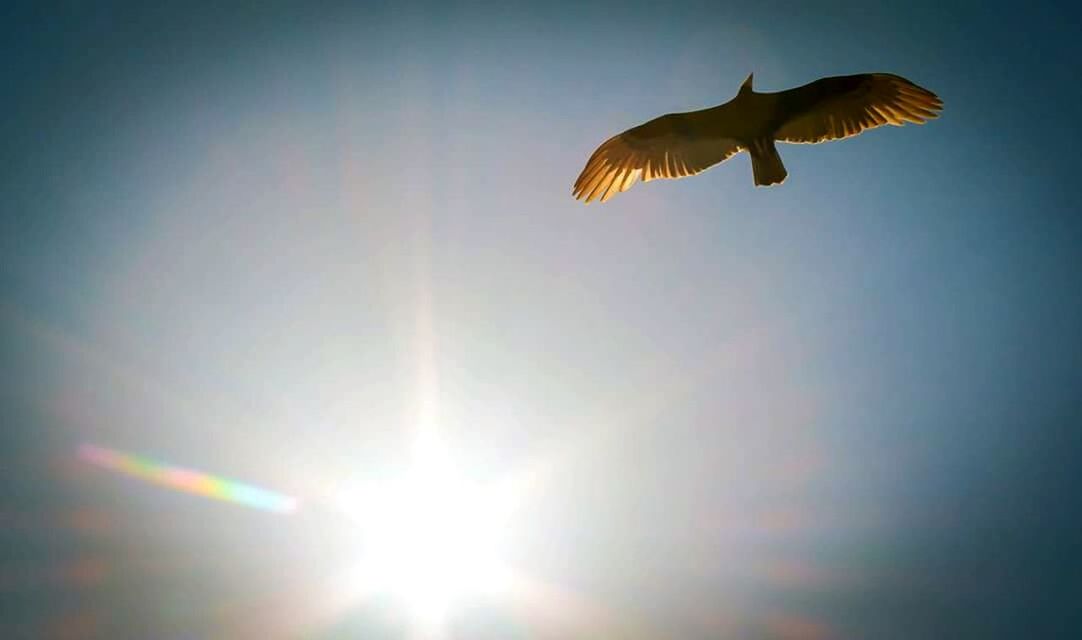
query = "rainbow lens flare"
x=187 y=480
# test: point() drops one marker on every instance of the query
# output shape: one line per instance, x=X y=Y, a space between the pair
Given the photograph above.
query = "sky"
x=266 y=241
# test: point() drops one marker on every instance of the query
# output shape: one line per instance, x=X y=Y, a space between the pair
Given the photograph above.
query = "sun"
x=432 y=539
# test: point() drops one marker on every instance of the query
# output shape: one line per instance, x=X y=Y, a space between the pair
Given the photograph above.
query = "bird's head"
x=746 y=87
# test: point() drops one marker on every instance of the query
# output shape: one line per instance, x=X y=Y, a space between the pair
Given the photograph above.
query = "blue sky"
x=258 y=240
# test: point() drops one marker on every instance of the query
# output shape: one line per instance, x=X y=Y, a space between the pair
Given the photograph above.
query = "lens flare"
x=187 y=480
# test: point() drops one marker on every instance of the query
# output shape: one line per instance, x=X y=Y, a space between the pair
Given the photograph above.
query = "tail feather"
x=766 y=164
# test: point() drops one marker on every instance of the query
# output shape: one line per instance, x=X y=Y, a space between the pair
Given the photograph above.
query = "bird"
x=677 y=145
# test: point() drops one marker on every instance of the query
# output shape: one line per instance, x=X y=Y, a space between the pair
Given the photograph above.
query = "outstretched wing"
x=672 y=146
x=844 y=106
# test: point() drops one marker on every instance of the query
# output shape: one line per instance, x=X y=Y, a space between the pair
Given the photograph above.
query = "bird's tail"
x=766 y=163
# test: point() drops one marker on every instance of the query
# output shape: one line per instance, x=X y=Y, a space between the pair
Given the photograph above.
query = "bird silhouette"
x=678 y=145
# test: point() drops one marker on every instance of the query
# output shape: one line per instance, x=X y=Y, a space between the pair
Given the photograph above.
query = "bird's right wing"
x=843 y=106
x=671 y=146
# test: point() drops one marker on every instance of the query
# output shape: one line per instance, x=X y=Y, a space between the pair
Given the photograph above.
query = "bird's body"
x=677 y=145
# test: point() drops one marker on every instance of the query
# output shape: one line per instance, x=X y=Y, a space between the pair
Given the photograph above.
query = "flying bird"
x=678 y=145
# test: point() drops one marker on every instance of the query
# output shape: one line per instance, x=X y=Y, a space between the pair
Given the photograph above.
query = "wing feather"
x=672 y=146
x=844 y=106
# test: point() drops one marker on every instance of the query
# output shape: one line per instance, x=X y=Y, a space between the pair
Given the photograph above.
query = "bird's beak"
x=747 y=83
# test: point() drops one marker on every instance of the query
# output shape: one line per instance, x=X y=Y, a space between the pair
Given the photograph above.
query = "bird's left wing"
x=671 y=146
x=844 y=106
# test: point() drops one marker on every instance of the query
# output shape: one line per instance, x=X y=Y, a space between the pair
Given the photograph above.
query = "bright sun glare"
x=431 y=539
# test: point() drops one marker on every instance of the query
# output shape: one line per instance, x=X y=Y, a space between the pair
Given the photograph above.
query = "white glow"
x=432 y=539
